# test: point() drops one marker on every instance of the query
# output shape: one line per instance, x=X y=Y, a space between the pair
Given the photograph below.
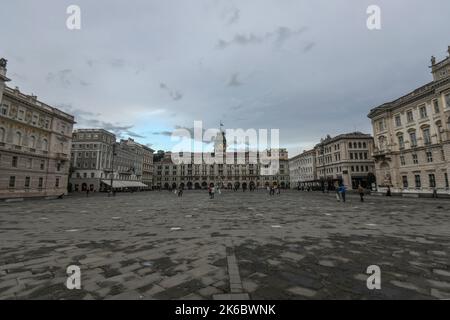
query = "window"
x=447 y=100
x=413 y=139
x=423 y=112
x=398 y=121
x=426 y=136
x=415 y=159
x=57 y=183
x=410 y=116
x=402 y=160
x=2 y=135
x=446 y=180
x=401 y=142
x=432 y=180
x=350 y=145
x=32 y=142
x=30 y=163
x=4 y=110
x=417 y=181
x=44 y=144
x=42 y=164
x=429 y=156
x=436 y=106
x=41 y=182
x=18 y=138
x=405 y=182
x=12 y=181
x=21 y=115
x=381 y=126
x=92 y=174
x=15 y=161
x=27 y=182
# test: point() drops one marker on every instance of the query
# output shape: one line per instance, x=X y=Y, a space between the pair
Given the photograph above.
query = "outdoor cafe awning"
x=125 y=184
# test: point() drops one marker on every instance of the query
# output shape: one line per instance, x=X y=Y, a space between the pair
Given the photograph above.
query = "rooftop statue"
x=3 y=62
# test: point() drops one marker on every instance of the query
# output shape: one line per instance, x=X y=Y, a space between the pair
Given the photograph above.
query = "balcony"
x=61 y=156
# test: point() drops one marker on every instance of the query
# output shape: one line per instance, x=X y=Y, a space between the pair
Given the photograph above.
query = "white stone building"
x=412 y=138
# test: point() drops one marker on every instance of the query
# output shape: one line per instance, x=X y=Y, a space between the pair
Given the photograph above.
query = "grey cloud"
x=63 y=77
x=234 y=17
x=278 y=37
x=283 y=34
x=117 y=63
x=87 y=119
x=234 y=81
x=174 y=94
x=309 y=47
x=163 y=133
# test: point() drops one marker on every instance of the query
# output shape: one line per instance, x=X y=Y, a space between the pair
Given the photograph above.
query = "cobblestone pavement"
x=238 y=246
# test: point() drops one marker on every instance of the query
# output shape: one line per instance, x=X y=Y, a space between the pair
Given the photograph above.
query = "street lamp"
x=112 y=168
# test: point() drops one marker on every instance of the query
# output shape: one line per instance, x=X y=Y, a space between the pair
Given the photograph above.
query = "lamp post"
x=112 y=168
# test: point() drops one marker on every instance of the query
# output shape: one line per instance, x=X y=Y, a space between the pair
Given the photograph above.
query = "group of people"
x=274 y=190
x=212 y=191
x=341 y=191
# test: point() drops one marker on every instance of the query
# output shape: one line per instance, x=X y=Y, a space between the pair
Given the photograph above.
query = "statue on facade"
x=3 y=62
x=433 y=60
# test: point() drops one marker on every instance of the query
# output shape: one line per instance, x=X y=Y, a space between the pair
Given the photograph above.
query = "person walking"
x=342 y=192
x=87 y=193
x=361 y=193
x=209 y=191
x=388 y=193
x=180 y=192
x=212 y=192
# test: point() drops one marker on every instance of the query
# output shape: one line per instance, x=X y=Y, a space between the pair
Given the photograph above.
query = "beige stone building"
x=246 y=175
x=147 y=166
x=347 y=159
x=302 y=170
x=412 y=137
x=94 y=166
x=91 y=159
x=35 y=145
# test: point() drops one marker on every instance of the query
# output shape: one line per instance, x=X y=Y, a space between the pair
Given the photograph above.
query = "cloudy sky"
x=142 y=68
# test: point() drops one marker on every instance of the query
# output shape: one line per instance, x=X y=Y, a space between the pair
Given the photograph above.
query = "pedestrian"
x=278 y=190
x=212 y=192
x=361 y=193
x=180 y=192
x=87 y=193
x=435 y=193
x=342 y=192
x=388 y=193
x=209 y=191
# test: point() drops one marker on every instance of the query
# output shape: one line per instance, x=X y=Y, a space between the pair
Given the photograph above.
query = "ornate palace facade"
x=229 y=174
x=412 y=137
x=35 y=143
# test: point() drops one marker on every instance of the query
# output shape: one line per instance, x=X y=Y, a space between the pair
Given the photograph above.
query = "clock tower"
x=220 y=143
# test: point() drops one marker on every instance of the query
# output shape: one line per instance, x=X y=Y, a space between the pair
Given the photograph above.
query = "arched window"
x=18 y=138
x=44 y=144
x=2 y=135
x=32 y=141
x=382 y=143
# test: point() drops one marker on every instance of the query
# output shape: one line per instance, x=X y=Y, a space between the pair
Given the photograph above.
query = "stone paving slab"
x=249 y=245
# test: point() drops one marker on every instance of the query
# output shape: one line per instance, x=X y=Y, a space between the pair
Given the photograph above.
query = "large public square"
x=155 y=245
